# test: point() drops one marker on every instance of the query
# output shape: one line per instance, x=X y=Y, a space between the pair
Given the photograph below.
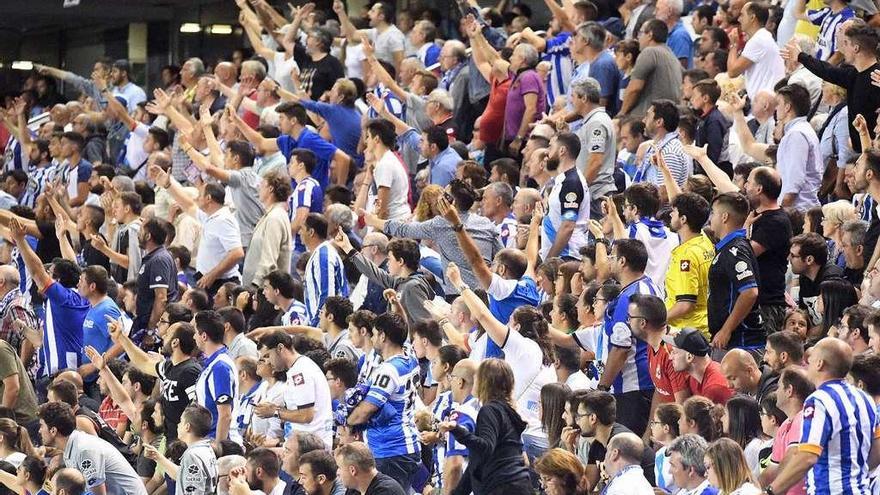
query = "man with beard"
x=178 y=372
x=564 y=230
x=771 y=241
x=263 y=466
x=866 y=178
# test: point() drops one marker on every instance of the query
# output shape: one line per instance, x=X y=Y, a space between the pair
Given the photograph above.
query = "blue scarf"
x=655 y=227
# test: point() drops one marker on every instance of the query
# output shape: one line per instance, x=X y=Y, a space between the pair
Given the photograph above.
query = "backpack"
x=108 y=434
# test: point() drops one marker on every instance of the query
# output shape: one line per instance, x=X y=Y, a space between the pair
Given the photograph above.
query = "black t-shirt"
x=47 y=248
x=317 y=77
x=808 y=290
x=383 y=484
x=178 y=385
x=773 y=231
x=734 y=270
x=94 y=257
x=157 y=271
x=596 y=454
x=854 y=275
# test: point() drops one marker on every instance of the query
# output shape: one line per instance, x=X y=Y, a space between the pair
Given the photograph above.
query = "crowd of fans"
x=633 y=251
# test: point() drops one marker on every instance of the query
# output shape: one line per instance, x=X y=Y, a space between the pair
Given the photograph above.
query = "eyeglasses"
x=583 y=415
x=164 y=322
x=793 y=255
x=635 y=317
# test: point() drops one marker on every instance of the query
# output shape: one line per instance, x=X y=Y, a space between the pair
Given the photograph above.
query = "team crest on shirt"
x=740 y=266
x=570 y=200
x=193 y=469
x=88 y=468
x=808 y=411
x=685 y=266
x=298 y=379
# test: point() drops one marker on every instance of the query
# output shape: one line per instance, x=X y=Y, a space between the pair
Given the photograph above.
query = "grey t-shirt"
x=387 y=42
x=597 y=136
x=101 y=464
x=661 y=71
x=198 y=470
x=244 y=185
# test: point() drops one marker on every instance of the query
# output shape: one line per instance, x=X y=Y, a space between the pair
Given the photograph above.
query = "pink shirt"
x=789 y=434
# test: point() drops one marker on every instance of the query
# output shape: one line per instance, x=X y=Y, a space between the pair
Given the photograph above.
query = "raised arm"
x=31 y=260
x=348 y=29
x=861 y=125
x=466 y=243
x=144 y=362
x=163 y=179
x=381 y=74
x=265 y=146
x=672 y=187
x=533 y=244
x=478 y=47
x=497 y=330
x=117 y=390
x=379 y=106
x=116 y=109
x=253 y=35
x=722 y=182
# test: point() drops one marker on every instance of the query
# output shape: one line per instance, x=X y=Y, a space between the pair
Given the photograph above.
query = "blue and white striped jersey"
x=828 y=23
x=14 y=157
x=465 y=415
x=63 y=336
x=324 y=277
x=394 y=383
x=306 y=194
x=568 y=200
x=217 y=385
x=558 y=53
x=295 y=314
x=367 y=365
x=441 y=411
x=507 y=231
x=392 y=103
x=840 y=423
x=635 y=374
x=38 y=177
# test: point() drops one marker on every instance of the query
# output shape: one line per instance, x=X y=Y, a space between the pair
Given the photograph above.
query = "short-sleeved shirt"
x=323 y=150
x=26 y=401
x=767 y=66
x=597 y=136
x=772 y=230
x=840 y=424
x=386 y=43
x=828 y=23
x=714 y=385
x=733 y=271
x=309 y=195
x=661 y=71
x=126 y=242
x=244 y=187
x=158 y=271
x=687 y=279
x=568 y=201
x=198 y=470
x=101 y=464
x=390 y=172
x=307 y=387
x=681 y=43
x=217 y=385
x=393 y=385
x=808 y=290
x=527 y=82
x=220 y=236
x=75 y=174
x=178 y=386
x=63 y=336
x=604 y=70
x=666 y=380
x=95 y=331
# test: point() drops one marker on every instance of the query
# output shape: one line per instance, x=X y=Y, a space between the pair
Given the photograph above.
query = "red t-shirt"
x=714 y=386
x=250 y=118
x=666 y=380
x=492 y=121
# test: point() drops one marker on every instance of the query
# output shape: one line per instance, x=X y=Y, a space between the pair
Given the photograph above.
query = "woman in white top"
x=15 y=443
x=727 y=470
x=270 y=390
x=742 y=423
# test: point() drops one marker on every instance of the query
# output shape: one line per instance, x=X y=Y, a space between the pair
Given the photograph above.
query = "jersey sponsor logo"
x=595 y=148
x=734 y=250
x=298 y=379
x=597 y=132
x=159 y=278
x=685 y=266
x=743 y=275
x=89 y=470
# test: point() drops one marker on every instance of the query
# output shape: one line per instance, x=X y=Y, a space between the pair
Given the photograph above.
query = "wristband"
x=457 y=227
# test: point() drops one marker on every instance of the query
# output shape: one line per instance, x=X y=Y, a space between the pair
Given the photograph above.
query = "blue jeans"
x=400 y=467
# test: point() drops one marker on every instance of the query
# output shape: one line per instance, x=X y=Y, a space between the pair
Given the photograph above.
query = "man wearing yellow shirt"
x=687 y=278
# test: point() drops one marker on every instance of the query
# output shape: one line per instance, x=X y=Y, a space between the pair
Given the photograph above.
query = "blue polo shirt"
x=95 y=332
x=322 y=149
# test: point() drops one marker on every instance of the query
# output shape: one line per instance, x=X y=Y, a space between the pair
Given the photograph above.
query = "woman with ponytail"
x=701 y=417
x=29 y=478
x=15 y=444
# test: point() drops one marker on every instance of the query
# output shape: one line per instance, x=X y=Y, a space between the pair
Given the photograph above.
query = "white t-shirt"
x=281 y=68
x=530 y=375
x=391 y=173
x=768 y=67
x=354 y=61
x=630 y=481
x=307 y=387
x=387 y=42
x=273 y=428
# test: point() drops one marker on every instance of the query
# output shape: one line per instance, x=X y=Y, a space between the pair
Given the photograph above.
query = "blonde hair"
x=494 y=381
x=839 y=212
x=729 y=464
x=430 y=196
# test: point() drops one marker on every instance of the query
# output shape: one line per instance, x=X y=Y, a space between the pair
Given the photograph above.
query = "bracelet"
x=443 y=321
x=457 y=227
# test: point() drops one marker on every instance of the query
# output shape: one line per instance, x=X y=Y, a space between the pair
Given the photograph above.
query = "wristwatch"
x=605 y=388
x=277 y=413
x=457 y=227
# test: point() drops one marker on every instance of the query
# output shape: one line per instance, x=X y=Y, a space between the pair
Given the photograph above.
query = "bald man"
x=226 y=73
x=465 y=415
x=76 y=379
x=745 y=375
x=622 y=465
x=68 y=481
x=840 y=434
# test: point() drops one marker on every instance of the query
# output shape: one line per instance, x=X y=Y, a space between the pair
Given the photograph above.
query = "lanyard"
x=619 y=474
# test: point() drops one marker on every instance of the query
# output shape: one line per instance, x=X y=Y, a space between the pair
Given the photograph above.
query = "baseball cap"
x=690 y=340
